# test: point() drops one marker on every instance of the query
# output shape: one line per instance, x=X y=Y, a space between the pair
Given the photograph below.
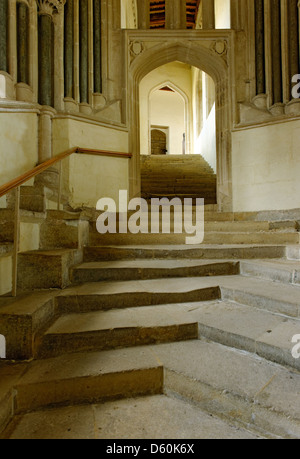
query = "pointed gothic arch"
x=209 y=59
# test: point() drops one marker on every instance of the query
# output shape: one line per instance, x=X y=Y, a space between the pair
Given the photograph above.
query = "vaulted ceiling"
x=158 y=13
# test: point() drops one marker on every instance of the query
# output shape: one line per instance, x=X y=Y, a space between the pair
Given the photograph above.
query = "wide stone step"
x=247 y=328
x=262 y=294
x=206 y=252
x=285 y=271
x=115 y=329
x=150 y=269
x=88 y=378
x=105 y=296
x=155 y=417
x=242 y=388
x=234 y=384
x=45 y=269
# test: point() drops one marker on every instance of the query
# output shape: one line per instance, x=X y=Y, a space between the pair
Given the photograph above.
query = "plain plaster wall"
x=222 y=14
x=175 y=73
x=89 y=178
x=266 y=167
x=206 y=143
x=167 y=109
x=19 y=144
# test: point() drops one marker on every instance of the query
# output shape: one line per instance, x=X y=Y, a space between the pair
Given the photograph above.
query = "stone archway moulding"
x=207 y=50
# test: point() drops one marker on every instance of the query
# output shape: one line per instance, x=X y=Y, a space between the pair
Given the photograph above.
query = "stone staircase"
x=187 y=176
x=125 y=322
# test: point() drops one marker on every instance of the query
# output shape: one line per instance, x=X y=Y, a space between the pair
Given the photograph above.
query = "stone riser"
x=236 y=408
x=240 y=342
x=42 y=269
x=95 y=274
x=67 y=304
x=103 y=340
x=172 y=253
x=89 y=389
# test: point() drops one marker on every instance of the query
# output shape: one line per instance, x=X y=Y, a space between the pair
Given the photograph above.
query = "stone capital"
x=50 y=6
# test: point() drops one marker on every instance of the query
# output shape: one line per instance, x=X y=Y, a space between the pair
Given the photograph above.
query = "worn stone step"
x=61 y=233
x=44 y=269
x=150 y=269
x=262 y=294
x=217 y=237
x=233 y=384
x=156 y=417
x=104 y=296
x=88 y=378
x=206 y=252
x=98 y=331
x=285 y=271
x=247 y=328
x=183 y=221
x=22 y=319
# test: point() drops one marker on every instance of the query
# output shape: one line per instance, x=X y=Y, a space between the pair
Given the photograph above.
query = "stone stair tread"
x=249 y=329
x=262 y=384
x=212 y=373
x=151 y=269
x=146 y=263
x=286 y=292
x=156 y=417
x=83 y=364
x=142 y=317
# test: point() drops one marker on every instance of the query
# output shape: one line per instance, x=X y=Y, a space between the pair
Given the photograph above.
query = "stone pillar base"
x=277 y=109
x=24 y=92
x=293 y=107
x=70 y=105
x=261 y=101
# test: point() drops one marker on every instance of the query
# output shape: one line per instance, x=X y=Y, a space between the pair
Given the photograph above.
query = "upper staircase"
x=185 y=176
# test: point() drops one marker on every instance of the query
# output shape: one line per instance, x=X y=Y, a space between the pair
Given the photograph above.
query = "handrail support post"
x=16 y=242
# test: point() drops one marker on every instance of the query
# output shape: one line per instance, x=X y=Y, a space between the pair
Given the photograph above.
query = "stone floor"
x=158 y=417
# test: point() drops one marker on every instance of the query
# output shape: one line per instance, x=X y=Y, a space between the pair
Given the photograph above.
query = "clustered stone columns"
x=208 y=14
x=46 y=10
x=97 y=52
x=260 y=48
x=143 y=14
x=23 y=42
x=277 y=57
x=3 y=35
x=176 y=14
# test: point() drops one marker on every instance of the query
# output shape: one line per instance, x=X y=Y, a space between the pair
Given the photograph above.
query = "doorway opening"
x=178 y=133
x=178 y=100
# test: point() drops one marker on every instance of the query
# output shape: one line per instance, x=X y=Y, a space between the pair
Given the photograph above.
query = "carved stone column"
x=175 y=14
x=3 y=35
x=143 y=14
x=208 y=14
x=260 y=47
x=276 y=51
x=47 y=55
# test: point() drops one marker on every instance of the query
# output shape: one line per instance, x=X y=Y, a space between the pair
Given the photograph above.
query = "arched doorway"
x=158 y=142
x=209 y=58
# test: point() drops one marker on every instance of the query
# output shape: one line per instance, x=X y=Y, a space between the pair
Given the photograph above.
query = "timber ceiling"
x=158 y=16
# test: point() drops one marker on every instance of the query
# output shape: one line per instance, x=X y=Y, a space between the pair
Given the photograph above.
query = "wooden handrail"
x=7 y=187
